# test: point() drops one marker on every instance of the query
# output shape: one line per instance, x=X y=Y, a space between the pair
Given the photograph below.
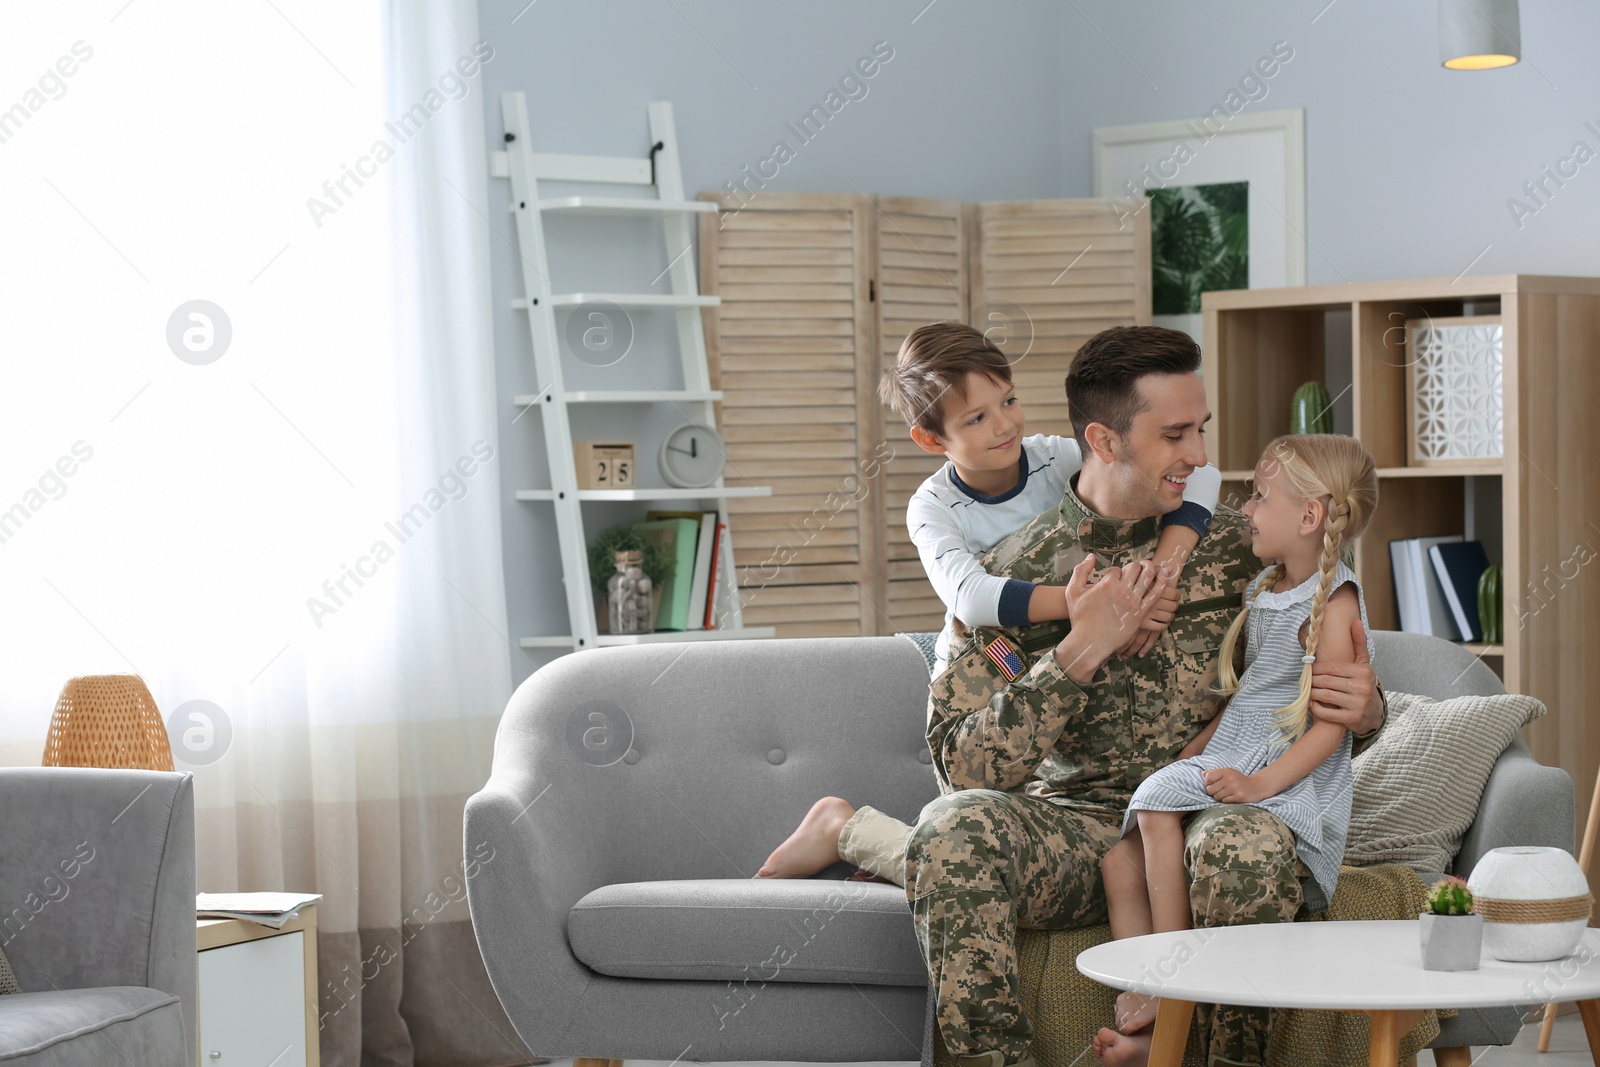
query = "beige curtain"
x=283 y=515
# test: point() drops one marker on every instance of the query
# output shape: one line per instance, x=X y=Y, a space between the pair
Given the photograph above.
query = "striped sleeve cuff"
x=1191 y=515
x=1013 y=608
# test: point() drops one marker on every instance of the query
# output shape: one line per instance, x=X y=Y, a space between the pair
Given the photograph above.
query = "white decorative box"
x=1454 y=386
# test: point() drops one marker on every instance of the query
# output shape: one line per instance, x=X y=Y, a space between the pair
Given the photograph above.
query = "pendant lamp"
x=1479 y=34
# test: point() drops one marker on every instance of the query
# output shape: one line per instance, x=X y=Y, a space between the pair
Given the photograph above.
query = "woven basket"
x=107 y=720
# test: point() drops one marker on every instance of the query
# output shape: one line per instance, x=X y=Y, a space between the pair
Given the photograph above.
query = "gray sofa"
x=97 y=892
x=635 y=791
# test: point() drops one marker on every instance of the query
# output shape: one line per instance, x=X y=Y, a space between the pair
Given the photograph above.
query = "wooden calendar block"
x=604 y=464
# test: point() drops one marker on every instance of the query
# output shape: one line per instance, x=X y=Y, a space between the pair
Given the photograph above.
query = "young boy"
x=953 y=387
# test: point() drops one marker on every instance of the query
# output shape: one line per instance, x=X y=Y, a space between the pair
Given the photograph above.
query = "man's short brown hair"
x=1102 y=382
x=935 y=360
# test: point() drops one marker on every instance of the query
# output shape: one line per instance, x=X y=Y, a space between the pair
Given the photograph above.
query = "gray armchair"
x=97 y=892
x=636 y=790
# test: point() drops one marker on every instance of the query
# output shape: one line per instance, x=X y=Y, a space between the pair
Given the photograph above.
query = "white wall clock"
x=692 y=457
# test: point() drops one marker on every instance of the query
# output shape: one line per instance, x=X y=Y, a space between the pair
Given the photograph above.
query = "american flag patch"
x=1005 y=657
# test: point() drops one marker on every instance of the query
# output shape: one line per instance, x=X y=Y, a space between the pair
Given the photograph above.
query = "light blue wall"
x=970 y=107
x=1408 y=165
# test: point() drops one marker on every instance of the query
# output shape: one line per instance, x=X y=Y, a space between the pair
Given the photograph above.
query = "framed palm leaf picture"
x=1226 y=193
x=1199 y=241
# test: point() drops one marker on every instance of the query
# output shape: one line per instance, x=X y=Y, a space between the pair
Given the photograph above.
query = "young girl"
x=1313 y=495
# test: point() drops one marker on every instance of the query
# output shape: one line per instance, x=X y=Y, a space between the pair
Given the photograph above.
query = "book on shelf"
x=702 y=570
x=712 y=615
x=1458 y=567
x=268 y=909
x=677 y=538
x=1418 y=596
x=1400 y=573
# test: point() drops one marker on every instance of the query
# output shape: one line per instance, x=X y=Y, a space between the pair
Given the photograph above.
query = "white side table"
x=258 y=992
x=1370 y=967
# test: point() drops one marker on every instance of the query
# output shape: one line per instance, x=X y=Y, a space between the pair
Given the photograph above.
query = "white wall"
x=1408 y=165
x=970 y=107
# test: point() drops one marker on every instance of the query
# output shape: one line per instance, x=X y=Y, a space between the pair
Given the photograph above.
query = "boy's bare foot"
x=814 y=844
x=1135 y=1011
x=1122 y=1050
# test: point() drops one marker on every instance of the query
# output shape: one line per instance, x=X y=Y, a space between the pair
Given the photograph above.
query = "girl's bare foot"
x=814 y=844
x=1122 y=1050
x=1135 y=1011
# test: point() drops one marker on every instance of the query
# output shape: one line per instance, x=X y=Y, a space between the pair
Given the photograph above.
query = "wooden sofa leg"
x=1452 y=1057
x=584 y=1062
x=615 y=1063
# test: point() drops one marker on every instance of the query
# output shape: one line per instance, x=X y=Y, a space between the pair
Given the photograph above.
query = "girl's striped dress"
x=1316 y=808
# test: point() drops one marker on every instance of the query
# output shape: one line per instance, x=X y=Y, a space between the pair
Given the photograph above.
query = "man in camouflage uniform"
x=1041 y=734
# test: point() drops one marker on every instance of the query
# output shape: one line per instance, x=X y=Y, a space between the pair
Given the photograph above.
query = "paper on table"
x=269 y=909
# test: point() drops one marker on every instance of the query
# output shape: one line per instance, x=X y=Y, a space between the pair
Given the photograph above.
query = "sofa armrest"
x=1523 y=803
x=97 y=880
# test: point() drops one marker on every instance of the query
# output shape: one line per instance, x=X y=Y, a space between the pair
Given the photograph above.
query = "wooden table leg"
x=1171 y=1033
x=1384 y=1047
x=1590 y=1010
x=1388 y=1027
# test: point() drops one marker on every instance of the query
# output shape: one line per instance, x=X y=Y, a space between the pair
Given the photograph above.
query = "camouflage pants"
x=981 y=863
x=1243 y=869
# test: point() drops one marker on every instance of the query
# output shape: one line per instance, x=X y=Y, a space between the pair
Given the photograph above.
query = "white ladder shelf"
x=526 y=168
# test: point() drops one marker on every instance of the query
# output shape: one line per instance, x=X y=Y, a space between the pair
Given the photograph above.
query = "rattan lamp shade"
x=107 y=720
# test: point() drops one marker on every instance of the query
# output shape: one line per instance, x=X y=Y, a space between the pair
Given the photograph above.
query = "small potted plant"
x=1452 y=935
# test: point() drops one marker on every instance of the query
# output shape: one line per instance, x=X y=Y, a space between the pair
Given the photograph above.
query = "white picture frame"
x=1264 y=148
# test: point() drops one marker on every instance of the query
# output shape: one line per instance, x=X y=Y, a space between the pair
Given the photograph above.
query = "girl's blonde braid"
x=1227 y=678
x=1291 y=720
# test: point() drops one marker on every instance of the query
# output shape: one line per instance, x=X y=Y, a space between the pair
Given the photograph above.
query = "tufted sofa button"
x=776 y=756
x=631 y=757
x=925 y=756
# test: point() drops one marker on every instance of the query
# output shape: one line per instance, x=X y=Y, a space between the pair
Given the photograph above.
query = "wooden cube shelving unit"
x=1262 y=344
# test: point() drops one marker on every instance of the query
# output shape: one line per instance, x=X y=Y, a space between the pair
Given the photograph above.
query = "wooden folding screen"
x=818 y=291
x=1046 y=276
x=791 y=348
x=921 y=261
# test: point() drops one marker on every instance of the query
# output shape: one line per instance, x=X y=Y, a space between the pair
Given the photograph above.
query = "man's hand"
x=1160 y=617
x=1105 y=615
x=1347 y=693
x=1228 y=786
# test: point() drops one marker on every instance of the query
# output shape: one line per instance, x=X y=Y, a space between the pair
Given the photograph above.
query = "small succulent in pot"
x=1452 y=934
x=1450 y=896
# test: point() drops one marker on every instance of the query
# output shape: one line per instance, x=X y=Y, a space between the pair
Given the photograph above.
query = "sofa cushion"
x=107 y=1024
x=8 y=977
x=1416 y=789
x=757 y=929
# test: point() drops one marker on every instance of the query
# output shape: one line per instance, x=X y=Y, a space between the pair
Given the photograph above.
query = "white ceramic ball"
x=1529 y=873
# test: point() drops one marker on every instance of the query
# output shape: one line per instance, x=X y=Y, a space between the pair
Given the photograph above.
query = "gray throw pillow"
x=1417 y=787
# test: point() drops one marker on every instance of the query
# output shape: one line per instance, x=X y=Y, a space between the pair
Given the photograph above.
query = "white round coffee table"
x=1370 y=967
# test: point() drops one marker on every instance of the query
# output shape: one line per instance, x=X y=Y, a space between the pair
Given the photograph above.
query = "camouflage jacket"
x=1040 y=732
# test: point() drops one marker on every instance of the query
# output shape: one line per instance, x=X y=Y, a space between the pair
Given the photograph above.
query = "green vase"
x=1491 y=606
x=1311 y=411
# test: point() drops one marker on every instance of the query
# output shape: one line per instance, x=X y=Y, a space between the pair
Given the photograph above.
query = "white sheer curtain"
x=293 y=536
